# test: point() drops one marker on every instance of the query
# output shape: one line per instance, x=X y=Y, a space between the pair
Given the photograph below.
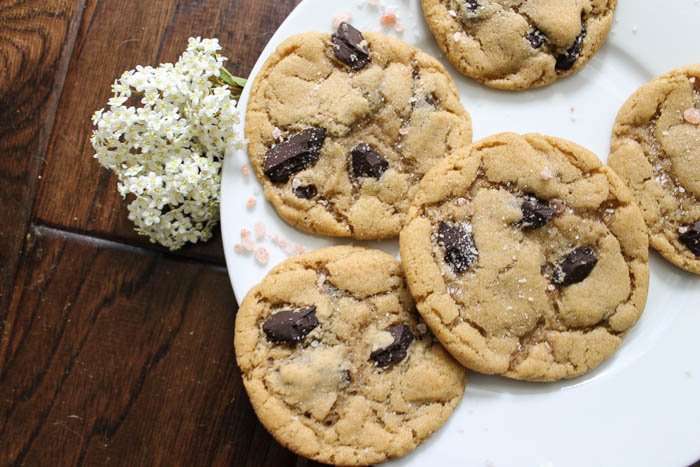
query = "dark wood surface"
x=112 y=351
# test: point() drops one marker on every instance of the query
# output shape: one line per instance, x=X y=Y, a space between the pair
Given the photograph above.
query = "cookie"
x=343 y=127
x=526 y=256
x=519 y=44
x=336 y=361
x=656 y=150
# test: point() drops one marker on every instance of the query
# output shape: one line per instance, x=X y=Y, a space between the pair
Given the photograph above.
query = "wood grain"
x=115 y=355
x=36 y=41
x=75 y=192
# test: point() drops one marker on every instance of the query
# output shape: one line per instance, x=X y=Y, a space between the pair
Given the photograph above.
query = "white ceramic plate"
x=639 y=408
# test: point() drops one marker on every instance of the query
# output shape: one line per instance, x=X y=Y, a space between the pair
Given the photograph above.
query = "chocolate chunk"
x=296 y=153
x=347 y=377
x=291 y=325
x=415 y=74
x=576 y=266
x=396 y=351
x=566 y=61
x=306 y=192
x=691 y=238
x=431 y=99
x=471 y=5
x=460 y=252
x=366 y=162
x=536 y=213
x=536 y=38
x=350 y=47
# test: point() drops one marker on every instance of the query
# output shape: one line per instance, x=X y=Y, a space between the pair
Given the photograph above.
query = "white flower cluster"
x=167 y=152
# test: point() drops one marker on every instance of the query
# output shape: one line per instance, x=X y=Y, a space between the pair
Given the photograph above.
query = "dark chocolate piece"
x=471 y=5
x=291 y=325
x=306 y=192
x=366 y=162
x=349 y=47
x=460 y=252
x=396 y=351
x=576 y=266
x=537 y=38
x=296 y=153
x=536 y=213
x=566 y=61
x=431 y=99
x=691 y=238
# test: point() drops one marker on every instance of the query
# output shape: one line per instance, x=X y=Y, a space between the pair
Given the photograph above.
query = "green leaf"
x=228 y=78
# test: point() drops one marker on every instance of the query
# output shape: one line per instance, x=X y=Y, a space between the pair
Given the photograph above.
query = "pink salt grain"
x=692 y=115
x=261 y=255
x=558 y=205
x=245 y=170
x=259 y=231
x=403 y=131
x=247 y=240
x=388 y=18
x=238 y=248
x=250 y=204
x=341 y=18
x=398 y=27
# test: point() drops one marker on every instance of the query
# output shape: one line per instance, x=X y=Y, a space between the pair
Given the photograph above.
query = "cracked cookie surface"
x=360 y=379
x=558 y=269
x=401 y=104
x=656 y=150
x=519 y=44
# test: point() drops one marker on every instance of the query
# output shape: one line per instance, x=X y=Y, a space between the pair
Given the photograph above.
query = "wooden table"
x=112 y=351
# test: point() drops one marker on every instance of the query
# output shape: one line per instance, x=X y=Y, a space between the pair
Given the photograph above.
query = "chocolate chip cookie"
x=656 y=150
x=526 y=256
x=519 y=44
x=342 y=128
x=338 y=365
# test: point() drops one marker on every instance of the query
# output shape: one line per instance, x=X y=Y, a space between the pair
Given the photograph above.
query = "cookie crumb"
x=692 y=115
x=261 y=256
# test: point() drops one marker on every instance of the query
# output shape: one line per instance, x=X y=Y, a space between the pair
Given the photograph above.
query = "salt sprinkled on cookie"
x=692 y=115
x=546 y=174
x=276 y=132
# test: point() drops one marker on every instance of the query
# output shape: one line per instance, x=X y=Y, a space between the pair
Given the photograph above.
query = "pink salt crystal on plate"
x=261 y=255
x=341 y=18
x=399 y=27
x=250 y=204
x=692 y=116
x=247 y=240
x=373 y=2
x=238 y=248
x=245 y=170
x=388 y=18
x=259 y=231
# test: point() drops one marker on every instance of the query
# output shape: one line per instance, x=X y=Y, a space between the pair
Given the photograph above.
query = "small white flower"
x=167 y=153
